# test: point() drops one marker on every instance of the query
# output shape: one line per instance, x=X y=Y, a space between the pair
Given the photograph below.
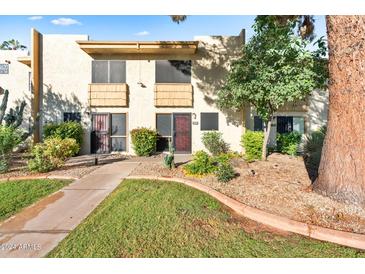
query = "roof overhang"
x=26 y=60
x=147 y=47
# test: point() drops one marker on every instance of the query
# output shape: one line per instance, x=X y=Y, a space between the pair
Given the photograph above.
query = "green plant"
x=52 y=153
x=288 y=143
x=168 y=159
x=202 y=164
x=214 y=142
x=69 y=129
x=144 y=141
x=224 y=171
x=9 y=139
x=252 y=143
x=312 y=150
x=276 y=68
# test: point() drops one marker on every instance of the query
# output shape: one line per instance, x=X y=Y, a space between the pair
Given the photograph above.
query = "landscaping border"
x=312 y=231
x=34 y=177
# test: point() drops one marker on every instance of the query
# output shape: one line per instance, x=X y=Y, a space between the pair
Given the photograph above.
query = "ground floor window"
x=118 y=132
x=209 y=121
x=164 y=130
x=72 y=116
x=284 y=124
x=109 y=132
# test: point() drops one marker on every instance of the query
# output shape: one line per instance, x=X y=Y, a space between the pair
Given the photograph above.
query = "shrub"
x=169 y=159
x=69 y=129
x=52 y=153
x=288 y=143
x=224 y=171
x=312 y=150
x=144 y=141
x=252 y=142
x=202 y=164
x=214 y=143
x=9 y=139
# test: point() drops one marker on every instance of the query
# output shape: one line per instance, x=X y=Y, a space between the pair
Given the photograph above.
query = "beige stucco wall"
x=66 y=73
x=17 y=82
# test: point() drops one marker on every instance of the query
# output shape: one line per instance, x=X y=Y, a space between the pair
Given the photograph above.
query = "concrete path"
x=38 y=229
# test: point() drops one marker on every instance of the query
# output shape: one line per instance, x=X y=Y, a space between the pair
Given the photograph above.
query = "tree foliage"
x=276 y=67
x=12 y=45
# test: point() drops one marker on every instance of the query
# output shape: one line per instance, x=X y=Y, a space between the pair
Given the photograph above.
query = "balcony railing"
x=173 y=95
x=108 y=95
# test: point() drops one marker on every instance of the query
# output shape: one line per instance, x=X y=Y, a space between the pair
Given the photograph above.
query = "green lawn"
x=15 y=195
x=144 y=218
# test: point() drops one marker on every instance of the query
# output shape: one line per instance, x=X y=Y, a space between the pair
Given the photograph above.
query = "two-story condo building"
x=113 y=87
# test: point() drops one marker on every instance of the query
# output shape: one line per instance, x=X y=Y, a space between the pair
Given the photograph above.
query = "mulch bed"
x=281 y=186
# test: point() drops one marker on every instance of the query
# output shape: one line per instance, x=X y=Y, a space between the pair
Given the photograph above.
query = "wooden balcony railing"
x=173 y=95
x=108 y=95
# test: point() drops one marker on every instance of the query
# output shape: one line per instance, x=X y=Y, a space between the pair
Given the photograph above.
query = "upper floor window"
x=173 y=71
x=108 y=71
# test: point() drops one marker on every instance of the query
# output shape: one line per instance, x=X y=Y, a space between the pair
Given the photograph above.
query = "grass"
x=144 y=218
x=16 y=195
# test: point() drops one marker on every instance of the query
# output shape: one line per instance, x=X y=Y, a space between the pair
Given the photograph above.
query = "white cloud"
x=35 y=18
x=65 y=21
x=142 y=33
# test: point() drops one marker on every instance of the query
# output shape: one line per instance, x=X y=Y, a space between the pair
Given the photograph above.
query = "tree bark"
x=266 y=139
x=342 y=168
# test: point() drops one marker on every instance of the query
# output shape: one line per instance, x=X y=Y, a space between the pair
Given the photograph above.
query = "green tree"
x=12 y=45
x=276 y=67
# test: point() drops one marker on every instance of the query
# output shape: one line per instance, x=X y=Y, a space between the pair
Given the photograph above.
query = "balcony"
x=173 y=95
x=108 y=95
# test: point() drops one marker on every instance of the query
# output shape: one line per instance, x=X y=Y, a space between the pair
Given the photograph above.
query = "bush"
x=288 y=143
x=202 y=164
x=214 y=143
x=9 y=139
x=252 y=142
x=52 y=153
x=144 y=141
x=224 y=171
x=69 y=129
x=312 y=150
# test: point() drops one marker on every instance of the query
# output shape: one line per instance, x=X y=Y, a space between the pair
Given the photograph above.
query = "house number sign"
x=4 y=68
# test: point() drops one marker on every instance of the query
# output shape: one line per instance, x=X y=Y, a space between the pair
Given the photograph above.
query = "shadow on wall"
x=211 y=67
x=55 y=104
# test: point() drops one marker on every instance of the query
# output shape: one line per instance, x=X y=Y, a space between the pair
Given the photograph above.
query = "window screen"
x=72 y=116
x=100 y=71
x=164 y=129
x=112 y=71
x=117 y=71
x=298 y=124
x=173 y=71
x=209 y=121
x=163 y=124
x=119 y=125
x=118 y=132
x=257 y=124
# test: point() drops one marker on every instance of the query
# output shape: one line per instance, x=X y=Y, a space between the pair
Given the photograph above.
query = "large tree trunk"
x=267 y=128
x=342 y=168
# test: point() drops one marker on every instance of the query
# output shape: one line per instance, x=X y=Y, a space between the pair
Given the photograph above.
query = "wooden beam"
x=35 y=61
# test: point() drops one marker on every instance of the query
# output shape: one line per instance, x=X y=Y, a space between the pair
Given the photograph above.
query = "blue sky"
x=130 y=27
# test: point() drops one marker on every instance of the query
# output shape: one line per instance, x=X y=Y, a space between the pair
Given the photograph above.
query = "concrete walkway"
x=38 y=229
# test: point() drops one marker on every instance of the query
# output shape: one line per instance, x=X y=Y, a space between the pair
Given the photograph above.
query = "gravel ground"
x=281 y=186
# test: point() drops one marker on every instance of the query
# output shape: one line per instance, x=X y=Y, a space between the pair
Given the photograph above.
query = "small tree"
x=276 y=67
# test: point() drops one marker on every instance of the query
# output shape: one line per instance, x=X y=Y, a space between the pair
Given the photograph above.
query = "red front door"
x=182 y=132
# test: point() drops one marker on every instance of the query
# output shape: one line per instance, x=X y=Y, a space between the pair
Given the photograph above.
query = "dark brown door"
x=100 y=133
x=182 y=132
